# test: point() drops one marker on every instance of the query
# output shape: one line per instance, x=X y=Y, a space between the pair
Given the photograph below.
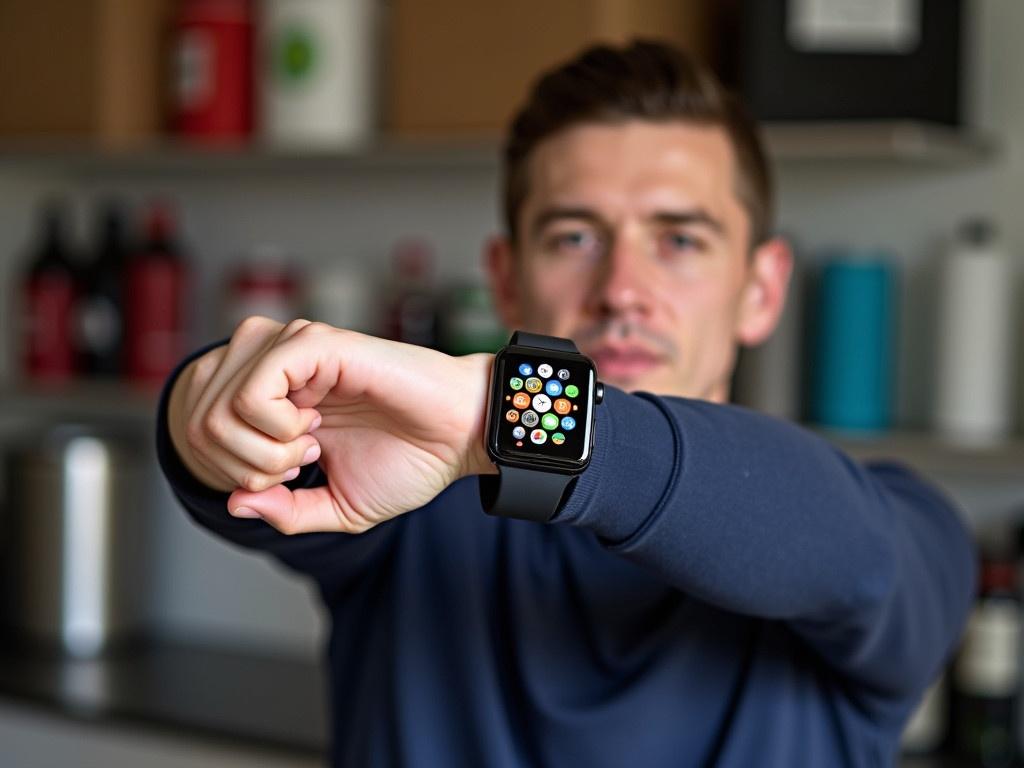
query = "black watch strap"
x=525 y=494
x=543 y=342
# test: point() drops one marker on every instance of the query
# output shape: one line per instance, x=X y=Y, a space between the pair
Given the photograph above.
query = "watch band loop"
x=524 y=494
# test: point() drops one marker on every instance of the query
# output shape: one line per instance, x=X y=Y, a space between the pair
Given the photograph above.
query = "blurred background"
x=168 y=167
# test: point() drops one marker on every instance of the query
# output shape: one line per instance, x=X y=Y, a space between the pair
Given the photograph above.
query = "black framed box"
x=846 y=60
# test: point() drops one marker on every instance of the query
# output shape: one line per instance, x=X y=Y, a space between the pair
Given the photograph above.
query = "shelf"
x=92 y=402
x=917 y=143
x=935 y=455
x=165 y=158
x=911 y=143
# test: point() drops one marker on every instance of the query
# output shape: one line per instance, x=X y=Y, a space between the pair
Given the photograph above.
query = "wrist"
x=477 y=460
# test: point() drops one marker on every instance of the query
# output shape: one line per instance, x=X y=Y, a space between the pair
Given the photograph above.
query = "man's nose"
x=624 y=280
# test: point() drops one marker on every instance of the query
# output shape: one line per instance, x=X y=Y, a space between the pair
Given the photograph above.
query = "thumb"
x=300 y=511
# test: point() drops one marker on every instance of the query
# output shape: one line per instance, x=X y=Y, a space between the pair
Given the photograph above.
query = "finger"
x=253 y=336
x=242 y=475
x=301 y=511
x=205 y=369
x=292 y=369
x=228 y=431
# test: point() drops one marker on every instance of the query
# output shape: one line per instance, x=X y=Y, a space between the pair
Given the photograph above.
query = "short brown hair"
x=645 y=79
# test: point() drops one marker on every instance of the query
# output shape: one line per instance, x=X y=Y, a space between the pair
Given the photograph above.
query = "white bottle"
x=975 y=371
x=318 y=65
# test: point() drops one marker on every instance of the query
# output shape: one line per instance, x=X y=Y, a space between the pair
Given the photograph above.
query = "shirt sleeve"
x=330 y=558
x=869 y=564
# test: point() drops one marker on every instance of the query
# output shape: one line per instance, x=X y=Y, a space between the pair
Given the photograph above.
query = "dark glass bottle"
x=101 y=312
x=987 y=671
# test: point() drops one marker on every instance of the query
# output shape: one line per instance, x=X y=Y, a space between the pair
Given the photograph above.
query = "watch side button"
x=599 y=393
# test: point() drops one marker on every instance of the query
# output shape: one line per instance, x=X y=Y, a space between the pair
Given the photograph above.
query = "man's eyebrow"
x=691 y=216
x=680 y=217
x=554 y=213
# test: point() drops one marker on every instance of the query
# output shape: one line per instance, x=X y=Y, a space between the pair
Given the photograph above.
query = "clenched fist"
x=391 y=424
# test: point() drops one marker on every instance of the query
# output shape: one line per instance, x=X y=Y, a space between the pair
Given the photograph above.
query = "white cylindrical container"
x=318 y=64
x=974 y=377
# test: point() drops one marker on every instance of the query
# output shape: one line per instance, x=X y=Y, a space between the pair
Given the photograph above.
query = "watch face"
x=542 y=407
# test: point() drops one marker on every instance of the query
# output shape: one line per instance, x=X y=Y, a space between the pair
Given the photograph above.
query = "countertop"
x=206 y=691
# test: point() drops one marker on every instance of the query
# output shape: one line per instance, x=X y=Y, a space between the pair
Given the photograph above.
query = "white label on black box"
x=854 y=26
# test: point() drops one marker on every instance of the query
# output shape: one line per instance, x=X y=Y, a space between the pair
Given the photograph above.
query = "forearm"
x=760 y=517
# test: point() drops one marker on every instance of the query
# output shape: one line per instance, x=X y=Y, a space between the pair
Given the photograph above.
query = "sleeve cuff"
x=637 y=456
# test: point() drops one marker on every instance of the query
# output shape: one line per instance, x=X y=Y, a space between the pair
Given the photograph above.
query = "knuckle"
x=244 y=404
x=279 y=460
x=288 y=526
x=295 y=326
x=254 y=325
x=194 y=434
x=315 y=328
x=206 y=366
x=254 y=482
x=215 y=427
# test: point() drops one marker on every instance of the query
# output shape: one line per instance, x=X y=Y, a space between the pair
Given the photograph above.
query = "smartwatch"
x=540 y=425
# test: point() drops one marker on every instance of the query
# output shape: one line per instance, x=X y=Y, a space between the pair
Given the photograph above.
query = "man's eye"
x=572 y=242
x=680 y=241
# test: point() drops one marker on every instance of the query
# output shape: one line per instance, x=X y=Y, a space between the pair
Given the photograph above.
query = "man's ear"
x=764 y=295
x=500 y=264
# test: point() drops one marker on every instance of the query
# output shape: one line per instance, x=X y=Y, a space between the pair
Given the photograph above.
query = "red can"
x=213 y=89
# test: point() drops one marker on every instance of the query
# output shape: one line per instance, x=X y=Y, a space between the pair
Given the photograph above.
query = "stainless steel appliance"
x=72 y=540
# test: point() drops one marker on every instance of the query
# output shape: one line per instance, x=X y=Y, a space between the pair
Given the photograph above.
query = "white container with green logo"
x=318 y=66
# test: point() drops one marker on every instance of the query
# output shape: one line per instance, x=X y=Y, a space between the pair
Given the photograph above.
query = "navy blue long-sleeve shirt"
x=720 y=588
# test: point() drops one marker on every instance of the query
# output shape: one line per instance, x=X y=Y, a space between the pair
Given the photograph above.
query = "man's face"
x=632 y=241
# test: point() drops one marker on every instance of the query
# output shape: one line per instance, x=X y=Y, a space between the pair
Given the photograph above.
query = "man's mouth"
x=623 y=362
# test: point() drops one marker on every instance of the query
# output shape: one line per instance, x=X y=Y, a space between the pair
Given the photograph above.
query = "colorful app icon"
x=563 y=374
x=519 y=433
x=541 y=403
x=534 y=385
x=572 y=390
x=521 y=400
x=549 y=421
x=568 y=423
x=562 y=406
x=516 y=383
x=558 y=438
x=512 y=415
x=530 y=419
x=544 y=370
x=553 y=388
x=525 y=369
x=538 y=436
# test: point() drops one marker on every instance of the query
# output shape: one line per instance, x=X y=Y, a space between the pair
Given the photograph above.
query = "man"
x=718 y=587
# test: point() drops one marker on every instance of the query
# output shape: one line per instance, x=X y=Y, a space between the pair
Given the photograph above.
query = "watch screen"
x=543 y=406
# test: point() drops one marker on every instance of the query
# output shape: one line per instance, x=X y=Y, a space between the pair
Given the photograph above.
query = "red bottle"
x=155 y=288
x=49 y=294
x=212 y=89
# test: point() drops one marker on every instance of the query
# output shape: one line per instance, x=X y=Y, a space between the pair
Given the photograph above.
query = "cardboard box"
x=82 y=68
x=463 y=67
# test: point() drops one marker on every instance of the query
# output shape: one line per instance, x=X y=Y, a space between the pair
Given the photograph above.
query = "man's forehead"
x=635 y=163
